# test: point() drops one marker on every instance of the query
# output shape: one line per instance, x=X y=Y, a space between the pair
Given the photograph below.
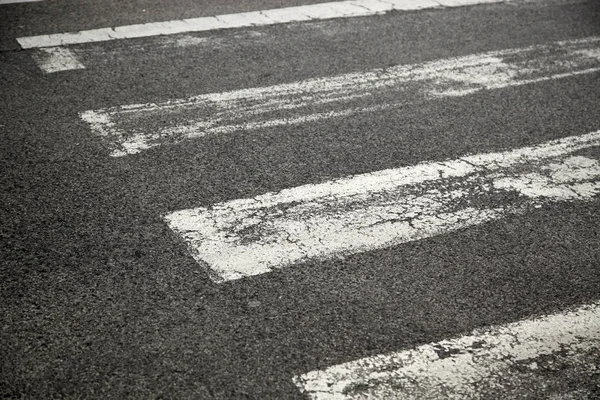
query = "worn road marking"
x=504 y=360
x=245 y=237
x=55 y=59
x=133 y=128
x=337 y=9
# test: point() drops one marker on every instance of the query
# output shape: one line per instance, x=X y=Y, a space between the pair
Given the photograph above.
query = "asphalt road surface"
x=402 y=203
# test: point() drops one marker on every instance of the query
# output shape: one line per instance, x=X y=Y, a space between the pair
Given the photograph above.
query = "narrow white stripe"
x=17 y=1
x=55 y=59
x=246 y=237
x=338 y=9
x=125 y=127
x=465 y=367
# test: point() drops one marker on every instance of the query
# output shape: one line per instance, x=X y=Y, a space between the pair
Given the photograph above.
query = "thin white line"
x=468 y=366
x=339 y=96
x=338 y=9
x=246 y=237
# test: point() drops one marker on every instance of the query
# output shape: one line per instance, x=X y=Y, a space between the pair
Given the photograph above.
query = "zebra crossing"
x=339 y=96
x=55 y=57
x=248 y=237
x=471 y=366
x=55 y=52
x=236 y=239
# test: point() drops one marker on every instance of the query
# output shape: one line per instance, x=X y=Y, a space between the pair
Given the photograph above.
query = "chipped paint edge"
x=454 y=367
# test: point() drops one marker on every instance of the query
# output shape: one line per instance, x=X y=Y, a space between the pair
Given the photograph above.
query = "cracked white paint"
x=246 y=237
x=566 y=181
x=464 y=367
x=125 y=128
x=336 y=9
x=55 y=59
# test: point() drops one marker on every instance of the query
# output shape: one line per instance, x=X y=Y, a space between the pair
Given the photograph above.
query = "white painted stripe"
x=125 y=127
x=56 y=59
x=468 y=366
x=246 y=237
x=338 y=9
x=17 y=1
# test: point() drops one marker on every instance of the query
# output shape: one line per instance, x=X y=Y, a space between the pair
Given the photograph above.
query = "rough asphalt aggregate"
x=100 y=299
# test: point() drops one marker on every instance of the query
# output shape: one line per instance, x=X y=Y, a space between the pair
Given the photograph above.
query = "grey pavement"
x=100 y=299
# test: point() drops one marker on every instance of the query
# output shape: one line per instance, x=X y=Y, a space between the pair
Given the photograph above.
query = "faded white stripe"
x=338 y=9
x=468 y=366
x=246 y=237
x=125 y=127
x=56 y=59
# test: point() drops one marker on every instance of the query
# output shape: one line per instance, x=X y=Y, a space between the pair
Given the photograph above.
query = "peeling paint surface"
x=497 y=361
x=340 y=96
x=246 y=237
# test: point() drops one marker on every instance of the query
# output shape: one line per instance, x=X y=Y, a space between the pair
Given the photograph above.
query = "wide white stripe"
x=125 y=128
x=465 y=367
x=338 y=9
x=246 y=237
x=56 y=59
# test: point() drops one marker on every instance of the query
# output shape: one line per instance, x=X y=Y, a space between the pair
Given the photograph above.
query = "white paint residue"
x=253 y=236
x=336 y=9
x=567 y=180
x=465 y=367
x=339 y=96
x=56 y=59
